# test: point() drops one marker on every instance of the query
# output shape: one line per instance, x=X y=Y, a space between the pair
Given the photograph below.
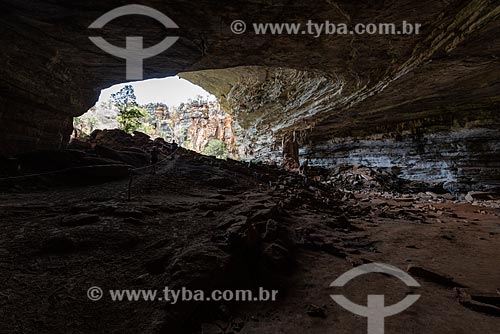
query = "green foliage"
x=125 y=97
x=77 y=122
x=184 y=134
x=146 y=128
x=129 y=112
x=129 y=118
x=84 y=125
x=216 y=148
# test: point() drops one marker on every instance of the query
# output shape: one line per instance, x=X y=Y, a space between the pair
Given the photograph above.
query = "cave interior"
x=350 y=151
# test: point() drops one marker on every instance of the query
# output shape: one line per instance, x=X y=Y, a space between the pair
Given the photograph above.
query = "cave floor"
x=206 y=224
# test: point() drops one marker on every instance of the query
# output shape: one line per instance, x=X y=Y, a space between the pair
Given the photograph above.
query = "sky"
x=172 y=91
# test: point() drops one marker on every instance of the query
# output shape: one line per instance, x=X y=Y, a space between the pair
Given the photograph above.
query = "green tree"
x=216 y=148
x=125 y=97
x=129 y=118
x=129 y=112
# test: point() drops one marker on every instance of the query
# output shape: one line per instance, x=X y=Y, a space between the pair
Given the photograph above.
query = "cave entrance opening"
x=171 y=108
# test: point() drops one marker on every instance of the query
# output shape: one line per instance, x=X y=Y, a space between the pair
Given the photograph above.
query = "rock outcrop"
x=463 y=159
x=194 y=124
x=317 y=90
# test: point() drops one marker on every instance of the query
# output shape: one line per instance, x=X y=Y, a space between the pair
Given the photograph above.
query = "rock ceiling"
x=329 y=86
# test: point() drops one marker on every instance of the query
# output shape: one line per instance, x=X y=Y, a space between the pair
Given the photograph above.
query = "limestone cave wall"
x=464 y=159
x=457 y=143
x=313 y=90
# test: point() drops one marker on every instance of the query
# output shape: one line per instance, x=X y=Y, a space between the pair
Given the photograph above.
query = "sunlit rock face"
x=264 y=101
x=102 y=116
x=193 y=125
x=455 y=143
x=314 y=90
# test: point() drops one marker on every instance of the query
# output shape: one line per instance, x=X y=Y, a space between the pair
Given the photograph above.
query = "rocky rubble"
x=242 y=233
x=484 y=198
x=104 y=156
x=204 y=224
x=359 y=178
x=384 y=182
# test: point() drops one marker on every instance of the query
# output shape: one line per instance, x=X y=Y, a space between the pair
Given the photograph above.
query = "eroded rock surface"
x=318 y=90
x=208 y=224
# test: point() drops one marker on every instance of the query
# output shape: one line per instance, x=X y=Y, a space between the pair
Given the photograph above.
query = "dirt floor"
x=207 y=224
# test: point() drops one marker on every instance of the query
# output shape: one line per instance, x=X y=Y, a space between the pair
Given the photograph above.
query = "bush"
x=129 y=118
x=216 y=148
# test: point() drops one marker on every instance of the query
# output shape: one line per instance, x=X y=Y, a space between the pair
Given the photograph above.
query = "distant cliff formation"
x=194 y=124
